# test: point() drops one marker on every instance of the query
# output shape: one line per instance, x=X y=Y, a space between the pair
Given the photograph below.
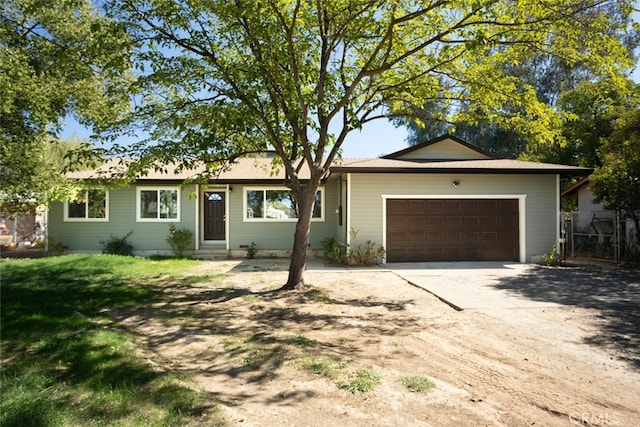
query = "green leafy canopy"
x=56 y=59
x=222 y=78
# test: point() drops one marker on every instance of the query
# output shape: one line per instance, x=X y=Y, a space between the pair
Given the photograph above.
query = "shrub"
x=552 y=258
x=179 y=239
x=367 y=253
x=333 y=250
x=359 y=254
x=252 y=249
x=118 y=245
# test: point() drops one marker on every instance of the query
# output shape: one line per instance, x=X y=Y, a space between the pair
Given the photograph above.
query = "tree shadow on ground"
x=59 y=353
x=614 y=294
x=252 y=334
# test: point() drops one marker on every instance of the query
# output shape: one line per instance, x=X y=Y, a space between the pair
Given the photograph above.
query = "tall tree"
x=56 y=58
x=617 y=181
x=222 y=78
x=590 y=111
x=551 y=76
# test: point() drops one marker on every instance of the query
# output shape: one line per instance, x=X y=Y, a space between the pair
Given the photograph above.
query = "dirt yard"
x=279 y=359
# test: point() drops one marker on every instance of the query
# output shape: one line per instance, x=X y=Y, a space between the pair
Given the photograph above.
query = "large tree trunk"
x=301 y=239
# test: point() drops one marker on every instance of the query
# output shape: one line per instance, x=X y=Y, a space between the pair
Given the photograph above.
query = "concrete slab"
x=470 y=285
x=499 y=285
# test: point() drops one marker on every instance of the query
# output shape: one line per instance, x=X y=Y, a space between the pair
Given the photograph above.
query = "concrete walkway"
x=471 y=285
x=462 y=285
x=499 y=285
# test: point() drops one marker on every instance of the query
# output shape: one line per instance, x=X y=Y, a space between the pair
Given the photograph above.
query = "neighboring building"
x=585 y=197
x=443 y=200
x=593 y=230
x=22 y=230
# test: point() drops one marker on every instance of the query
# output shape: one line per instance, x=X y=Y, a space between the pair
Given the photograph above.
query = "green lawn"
x=64 y=364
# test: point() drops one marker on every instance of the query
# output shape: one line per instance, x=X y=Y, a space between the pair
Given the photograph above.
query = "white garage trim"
x=558 y=219
x=521 y=212
x=348 y=231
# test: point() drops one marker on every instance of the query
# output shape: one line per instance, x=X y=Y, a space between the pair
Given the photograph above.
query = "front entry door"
x=214 y=217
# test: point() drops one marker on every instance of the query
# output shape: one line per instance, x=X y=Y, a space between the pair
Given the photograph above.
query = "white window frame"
x=140 y=189
x=86 y=211
x=245 y=218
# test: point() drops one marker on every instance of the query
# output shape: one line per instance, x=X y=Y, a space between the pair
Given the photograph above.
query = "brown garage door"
x=452 y=230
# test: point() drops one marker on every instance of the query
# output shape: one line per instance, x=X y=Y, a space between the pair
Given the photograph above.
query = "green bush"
x=367 y=253
x=333 y=250
x=252 y=250
x=552 y=258
x=179 y=239
x=359 y=254
x=118 y=245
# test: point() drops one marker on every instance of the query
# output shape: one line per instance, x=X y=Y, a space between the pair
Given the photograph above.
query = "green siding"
x=278 y=235
x=364 y=204
x=147 y=236
x=540 y=202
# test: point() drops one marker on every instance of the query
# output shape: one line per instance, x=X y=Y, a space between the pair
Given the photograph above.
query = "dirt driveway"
x=272 y=359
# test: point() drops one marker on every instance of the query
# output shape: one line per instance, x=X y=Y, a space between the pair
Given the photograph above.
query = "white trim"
x=274 y=220
x=521 y=212
x=557 y=213
x=197 y=225
x=522 y=226
x=348 y=221
x=226 y=192
x=227 y=229
x=141 y=188
x=86 y=211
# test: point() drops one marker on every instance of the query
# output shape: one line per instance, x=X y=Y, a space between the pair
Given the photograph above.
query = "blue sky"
x=376 y=138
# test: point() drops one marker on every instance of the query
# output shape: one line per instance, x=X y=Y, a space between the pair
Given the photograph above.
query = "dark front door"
x=214 y=219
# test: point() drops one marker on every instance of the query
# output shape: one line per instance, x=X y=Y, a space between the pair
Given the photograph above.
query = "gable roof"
x=449 y=154
x=446 y=154
x=446 y=147
x=572 y=190
x=490 y=166
x=242 y=170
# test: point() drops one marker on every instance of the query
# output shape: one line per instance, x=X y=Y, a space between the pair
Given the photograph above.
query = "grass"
x=301 y=341
x=62 y=364
x=329 y=366
x=365 y=380
x=419 y=384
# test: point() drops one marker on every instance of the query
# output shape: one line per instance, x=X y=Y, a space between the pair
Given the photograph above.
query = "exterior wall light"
x=455 y=183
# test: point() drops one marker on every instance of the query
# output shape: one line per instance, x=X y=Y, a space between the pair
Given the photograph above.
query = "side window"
x=90 y=205
x=277 y=204
x=158 y=204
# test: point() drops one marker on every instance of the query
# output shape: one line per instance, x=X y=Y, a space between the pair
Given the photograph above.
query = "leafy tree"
x=589 y=110
x=56 y=58
x=551 y=76
x=617 y=181
x=222 y=78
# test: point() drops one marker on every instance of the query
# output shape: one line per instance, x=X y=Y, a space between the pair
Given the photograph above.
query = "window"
x=277 y=204
x=158 y=204
x=91 y=205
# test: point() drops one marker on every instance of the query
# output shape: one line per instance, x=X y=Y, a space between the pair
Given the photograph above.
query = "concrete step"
x=213 y=254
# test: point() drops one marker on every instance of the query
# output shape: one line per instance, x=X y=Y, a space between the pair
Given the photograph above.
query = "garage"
x=452 y=230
